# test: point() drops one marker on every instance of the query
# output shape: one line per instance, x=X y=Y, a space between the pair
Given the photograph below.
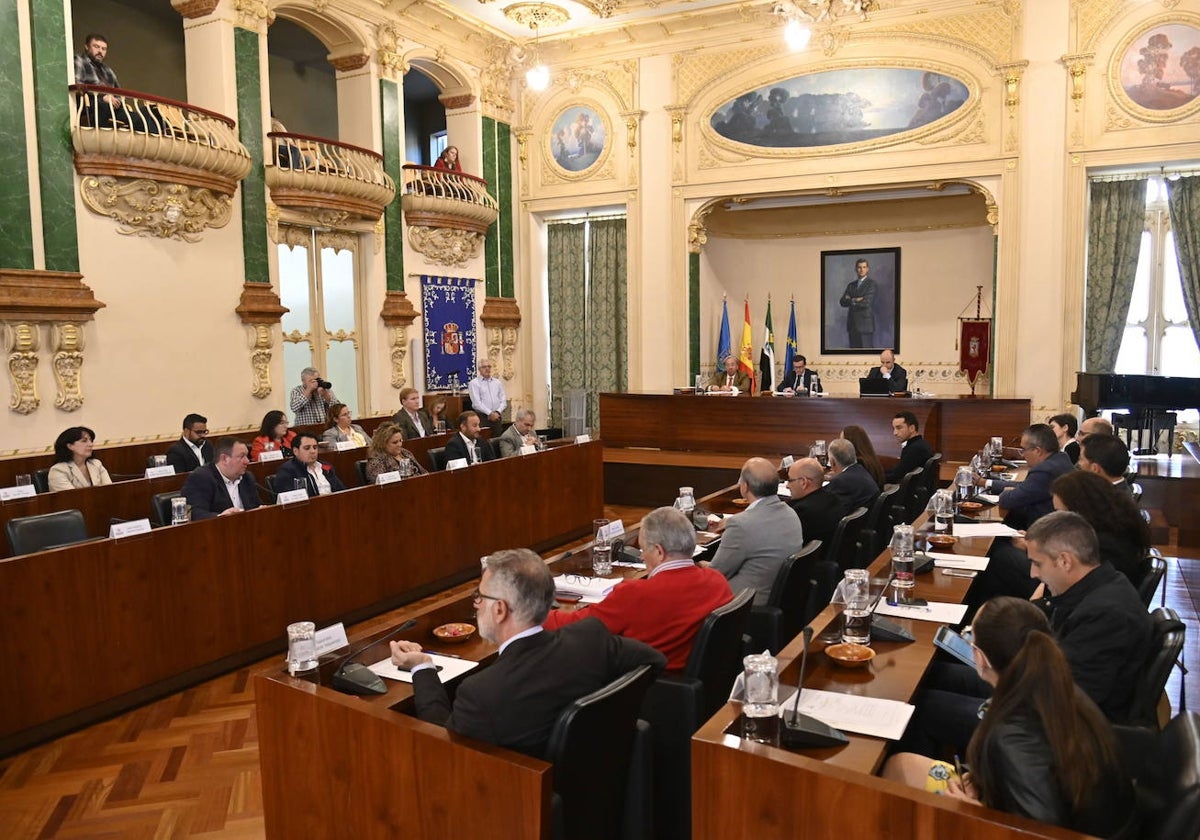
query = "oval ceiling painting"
x=839 y=106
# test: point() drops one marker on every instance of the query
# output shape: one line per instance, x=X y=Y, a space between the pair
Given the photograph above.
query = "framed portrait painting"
x=860 y=301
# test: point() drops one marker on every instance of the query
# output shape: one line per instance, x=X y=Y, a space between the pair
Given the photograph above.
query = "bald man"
x=818 y=509
x=758 y=540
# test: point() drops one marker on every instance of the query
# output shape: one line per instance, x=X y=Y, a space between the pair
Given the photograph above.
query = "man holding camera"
x=311 y=399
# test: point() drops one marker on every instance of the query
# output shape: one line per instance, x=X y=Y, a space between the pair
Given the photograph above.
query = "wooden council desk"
x=93 y=629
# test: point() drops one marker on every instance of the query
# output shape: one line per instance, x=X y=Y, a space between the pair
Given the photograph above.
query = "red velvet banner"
x=974 y=347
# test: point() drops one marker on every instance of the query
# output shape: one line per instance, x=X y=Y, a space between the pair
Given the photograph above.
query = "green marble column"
x=694 y=313
x=16 y=234
x=253 y=188
x=56 y=159
x=393 y=224
x=497 y=171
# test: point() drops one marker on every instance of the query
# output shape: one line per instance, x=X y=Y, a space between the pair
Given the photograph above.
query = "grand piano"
x=1148 y=399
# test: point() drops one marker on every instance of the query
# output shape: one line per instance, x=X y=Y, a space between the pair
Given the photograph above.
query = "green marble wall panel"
x=393 y=224
x=491 y=242
x=253 y=187
x=56 y=162
x=694 y=314
x=16 y=233
x=504 y=195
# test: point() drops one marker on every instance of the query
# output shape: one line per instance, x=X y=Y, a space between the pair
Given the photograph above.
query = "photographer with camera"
x=311 y=398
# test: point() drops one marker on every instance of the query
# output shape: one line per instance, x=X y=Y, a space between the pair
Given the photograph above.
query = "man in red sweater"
x=665 y=608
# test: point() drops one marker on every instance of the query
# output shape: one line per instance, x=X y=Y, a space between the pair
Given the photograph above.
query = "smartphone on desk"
x=955 y=645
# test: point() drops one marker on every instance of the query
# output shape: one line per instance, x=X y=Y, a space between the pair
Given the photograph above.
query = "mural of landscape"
x=1161 y=70
x=839 y=106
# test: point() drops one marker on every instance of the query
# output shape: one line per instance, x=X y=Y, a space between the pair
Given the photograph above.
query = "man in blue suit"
x=222 y=487
x=319 y=479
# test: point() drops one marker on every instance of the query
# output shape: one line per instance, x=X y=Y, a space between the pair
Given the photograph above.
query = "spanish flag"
x=746 y=356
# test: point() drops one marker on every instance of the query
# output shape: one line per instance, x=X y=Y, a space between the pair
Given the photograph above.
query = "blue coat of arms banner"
x=449 y=312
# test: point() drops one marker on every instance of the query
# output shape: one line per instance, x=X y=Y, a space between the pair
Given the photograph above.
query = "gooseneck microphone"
x=355 y=678
x=804 y=731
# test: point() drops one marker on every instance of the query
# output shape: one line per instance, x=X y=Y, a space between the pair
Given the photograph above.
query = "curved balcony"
x=127 y=134
x=317 y=174
x=438 y=198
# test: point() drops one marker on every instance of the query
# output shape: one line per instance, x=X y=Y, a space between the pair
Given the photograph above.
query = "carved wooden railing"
x=439 y=198
x=322 y=175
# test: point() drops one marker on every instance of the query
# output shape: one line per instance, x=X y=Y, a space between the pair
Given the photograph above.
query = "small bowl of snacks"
x=455 y=632
x=849 y=655
x=942 y=540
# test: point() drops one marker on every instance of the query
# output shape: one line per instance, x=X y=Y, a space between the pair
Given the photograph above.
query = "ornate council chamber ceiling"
x=582 y=14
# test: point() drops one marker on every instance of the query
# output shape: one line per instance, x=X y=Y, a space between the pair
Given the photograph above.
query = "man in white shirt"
x=319 y=479
x=487 y=397
x=467 y=444
x=223 y=487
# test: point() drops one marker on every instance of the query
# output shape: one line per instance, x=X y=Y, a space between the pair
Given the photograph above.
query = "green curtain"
x=1115 y=225
x=1183 y=201
x=566 y=287
x=607 y=322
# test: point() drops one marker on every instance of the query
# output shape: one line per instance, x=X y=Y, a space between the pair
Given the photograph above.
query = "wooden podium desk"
x=745 y=789
x=90 y=630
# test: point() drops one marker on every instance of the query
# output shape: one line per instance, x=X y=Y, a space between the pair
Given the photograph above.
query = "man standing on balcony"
x=90 y=69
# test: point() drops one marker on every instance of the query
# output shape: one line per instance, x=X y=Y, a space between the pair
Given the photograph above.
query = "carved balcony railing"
x=438 y=198
x=327 y=178
x=159 y=167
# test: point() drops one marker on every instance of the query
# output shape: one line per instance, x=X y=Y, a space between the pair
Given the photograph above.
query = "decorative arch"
x=453 y=81
x=340 y=36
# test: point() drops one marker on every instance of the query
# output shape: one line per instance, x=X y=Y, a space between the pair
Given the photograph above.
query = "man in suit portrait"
x=223 y=487
x=519 y=434
x=319 y=479
x=516 y=700
x=467 y=443
x=729 y=379
x=756 y=541
x=858 y=299
x=193 y=449
x=818 y=509
x=797 y=380
x=887 y=368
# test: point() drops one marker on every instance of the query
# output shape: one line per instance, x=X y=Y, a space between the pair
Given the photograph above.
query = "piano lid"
x=1097 y=391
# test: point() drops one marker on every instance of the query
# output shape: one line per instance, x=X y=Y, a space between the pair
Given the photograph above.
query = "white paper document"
x=448 y=668
x=984 y=529
x=851 y=713
x=958 y=561
x=593 y=590
x=939 y=611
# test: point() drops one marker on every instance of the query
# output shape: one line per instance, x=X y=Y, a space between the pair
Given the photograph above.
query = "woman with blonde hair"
x=387 y=454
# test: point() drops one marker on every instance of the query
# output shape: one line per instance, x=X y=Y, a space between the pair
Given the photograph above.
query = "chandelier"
x=799 y=16
x=535 y=15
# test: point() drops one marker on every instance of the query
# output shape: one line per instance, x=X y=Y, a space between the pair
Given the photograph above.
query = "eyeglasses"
x=201 y=432
x=478 y=596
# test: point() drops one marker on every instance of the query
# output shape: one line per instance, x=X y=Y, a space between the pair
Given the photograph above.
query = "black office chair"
x=926 y=485
x=902 y=501
x=160 y=506
x=1150 y=581
x=41 y=480
x=677 y=704
x=781 y=619
x=843 y=548
x=437 y=459
x=592 y=749
x=27 y=534
x=361 y=466
x=1166 y=643
x=1166 y=769
x=877 y=532
x=271 y=485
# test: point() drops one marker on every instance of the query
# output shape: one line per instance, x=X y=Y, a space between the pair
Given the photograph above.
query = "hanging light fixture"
x=535 y=15
x=538 y=75
x=800 y=16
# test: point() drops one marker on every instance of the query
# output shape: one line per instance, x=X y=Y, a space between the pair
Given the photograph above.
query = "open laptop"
x=868 y=387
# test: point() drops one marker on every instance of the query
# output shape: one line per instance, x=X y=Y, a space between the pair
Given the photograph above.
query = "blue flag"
x=724 y=346
x=792 y=347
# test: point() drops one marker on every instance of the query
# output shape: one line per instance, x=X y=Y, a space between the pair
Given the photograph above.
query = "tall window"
x=318 y=283
x=1158 y=338
x=437 y=145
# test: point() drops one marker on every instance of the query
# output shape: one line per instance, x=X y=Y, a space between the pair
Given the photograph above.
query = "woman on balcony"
x=74 y=467
x=448 y=160
x=272 y=435
x=341 y=429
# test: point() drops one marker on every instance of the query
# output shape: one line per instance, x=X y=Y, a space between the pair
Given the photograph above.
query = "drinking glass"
x=179 y=511
x=761 y=705
x=24 y=479
x=160 y=460
x=601 y=550
x=302 y=647
x=299 y=484
x=856 y=590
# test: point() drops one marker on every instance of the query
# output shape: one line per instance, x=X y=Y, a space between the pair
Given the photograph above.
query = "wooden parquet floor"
x=187 y=766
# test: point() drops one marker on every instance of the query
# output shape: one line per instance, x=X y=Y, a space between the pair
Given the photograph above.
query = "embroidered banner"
x=974 y=347
x=448 y=304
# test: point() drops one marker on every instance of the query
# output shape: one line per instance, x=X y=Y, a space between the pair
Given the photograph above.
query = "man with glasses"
x=1024 y=502
x=193 y=449
x=818 y=509
x=224 y=487
x=488 y=397
x=666 y=608
x=516 y=700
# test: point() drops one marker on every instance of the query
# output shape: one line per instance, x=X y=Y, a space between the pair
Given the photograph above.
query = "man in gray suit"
x=519 y=434
x=758 y=540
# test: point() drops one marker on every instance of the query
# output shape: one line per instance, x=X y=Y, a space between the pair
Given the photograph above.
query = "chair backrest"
x=361 y=466
x=1148 y=585
x=1166 y=643
x=792 y=589
x=843 y=548
x=903 y=499
x=1169 y=787
x=716 y=657
x=877 y=531
x=926 y=484
x=590 y=747
x=160 y=506
x=271 y=484
x=437 y=458
x=41 y=480
x=27 y=534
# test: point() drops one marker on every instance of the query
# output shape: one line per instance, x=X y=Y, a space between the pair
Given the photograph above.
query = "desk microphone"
x=804 y=731
x=355 y=678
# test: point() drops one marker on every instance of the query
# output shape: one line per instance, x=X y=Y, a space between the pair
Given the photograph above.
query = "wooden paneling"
x=91 y=629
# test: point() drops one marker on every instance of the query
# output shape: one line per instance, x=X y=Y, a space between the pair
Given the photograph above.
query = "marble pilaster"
x=16 y=234
x=247 y=46
x=390 y=111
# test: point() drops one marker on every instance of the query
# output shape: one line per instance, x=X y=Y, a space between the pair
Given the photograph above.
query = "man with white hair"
x=310 y=400
x=851 y=482
x=519 y=434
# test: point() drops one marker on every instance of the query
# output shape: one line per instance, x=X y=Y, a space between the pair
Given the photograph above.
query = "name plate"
x=22 y=491
x=583 y=438
x=343 y=445
x=388 y=477
x=787 y=461
x=611 y=531
x=289 y=496
x=457 y=464
x=128 y=529
x=270 y=455
x=160 y=472
x=527 y=449
x=330 y=638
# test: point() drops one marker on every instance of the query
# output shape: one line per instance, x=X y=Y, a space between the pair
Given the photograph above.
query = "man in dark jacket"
x=818 y=509
x=914 y=449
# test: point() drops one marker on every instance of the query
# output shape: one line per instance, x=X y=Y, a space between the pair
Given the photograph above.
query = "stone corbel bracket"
x=260 y=310
x=398 y=314
x=501 y=317
x=56 y=298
